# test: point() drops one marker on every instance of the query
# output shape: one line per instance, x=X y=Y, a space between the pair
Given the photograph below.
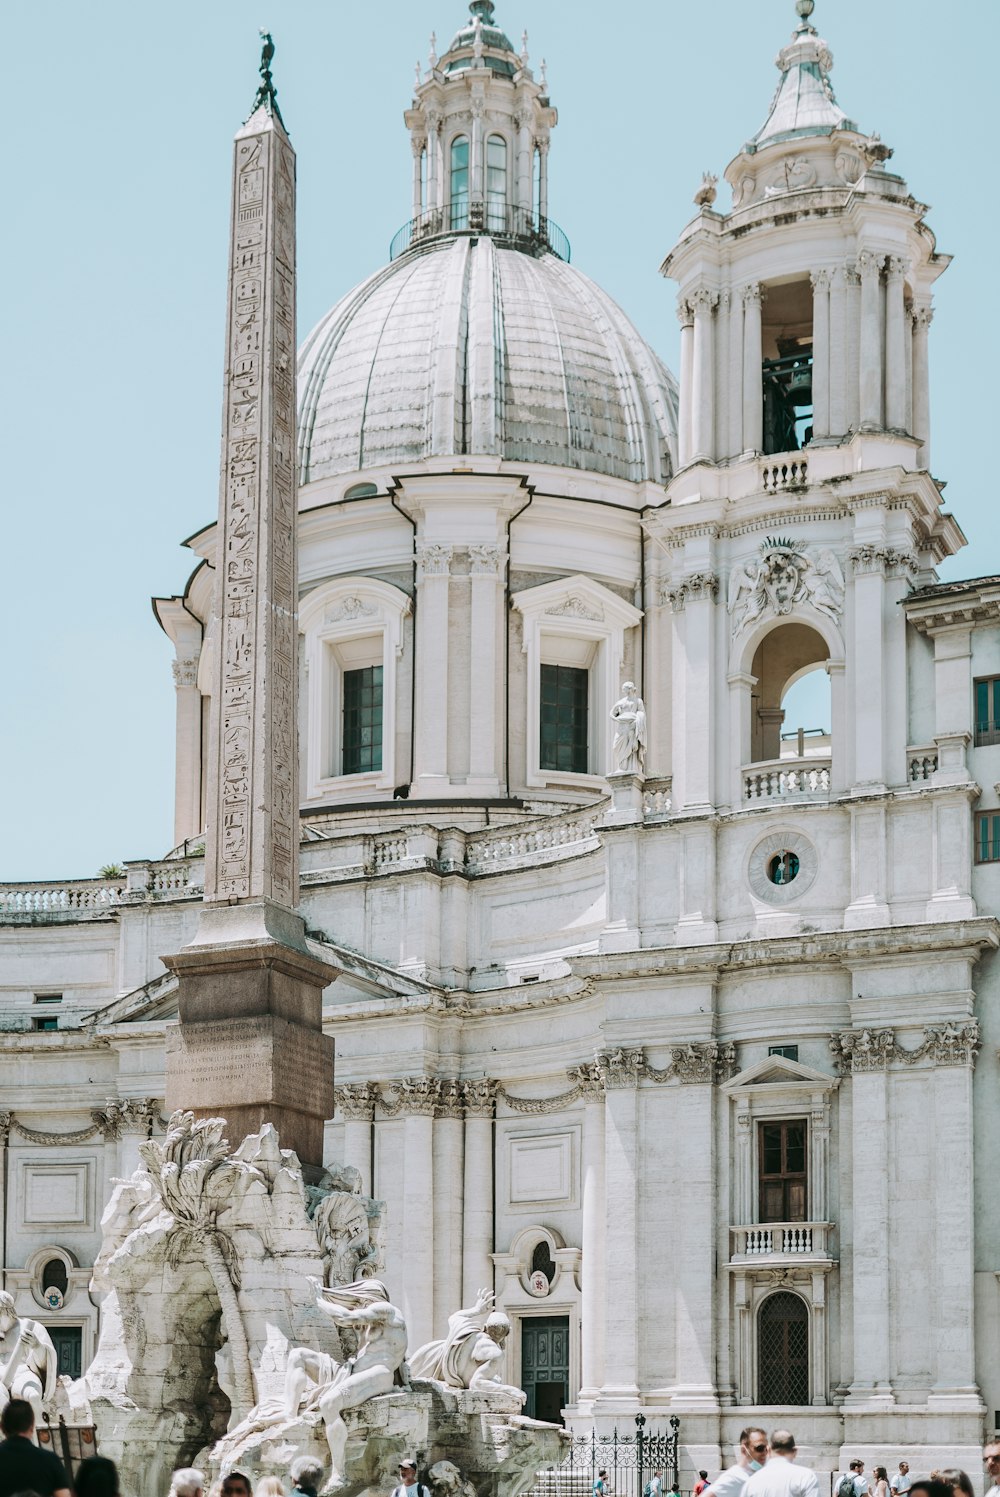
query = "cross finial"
x=267 y=94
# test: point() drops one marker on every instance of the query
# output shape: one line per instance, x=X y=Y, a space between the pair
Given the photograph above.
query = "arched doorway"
x=783 y=1350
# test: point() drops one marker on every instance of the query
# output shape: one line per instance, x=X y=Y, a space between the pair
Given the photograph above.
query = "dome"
x=465 y=346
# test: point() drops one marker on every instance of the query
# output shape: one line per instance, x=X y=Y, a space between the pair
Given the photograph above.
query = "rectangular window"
x=564 y=716
x=48 y=997
x=986 y=693
x=782 y=1171
x=787 y=1052
x=46 y=1024
x=988 y=837
x=363 y=720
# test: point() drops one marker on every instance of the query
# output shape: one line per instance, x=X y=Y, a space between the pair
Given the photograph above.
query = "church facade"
x=694 y=1060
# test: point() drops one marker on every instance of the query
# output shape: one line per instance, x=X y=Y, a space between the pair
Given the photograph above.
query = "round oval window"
x=783 y=867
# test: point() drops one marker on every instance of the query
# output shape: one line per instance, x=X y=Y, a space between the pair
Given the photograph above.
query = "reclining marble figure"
x=471 y=1355
x=31 y=1366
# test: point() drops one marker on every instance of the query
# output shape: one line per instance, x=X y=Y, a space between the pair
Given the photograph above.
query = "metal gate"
x=630 y=1461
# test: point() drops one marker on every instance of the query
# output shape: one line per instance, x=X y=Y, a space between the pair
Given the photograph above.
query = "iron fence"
x=630 y=1461
x=525 y=227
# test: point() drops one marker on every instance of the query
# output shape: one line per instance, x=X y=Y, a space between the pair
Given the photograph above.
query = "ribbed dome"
x=462 y=346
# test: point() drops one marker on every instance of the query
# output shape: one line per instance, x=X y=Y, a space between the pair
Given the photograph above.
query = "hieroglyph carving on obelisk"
x=252 y=845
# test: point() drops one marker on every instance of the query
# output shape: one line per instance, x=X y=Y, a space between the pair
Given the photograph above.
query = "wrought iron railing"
x=524 y=227
x=630 y=1460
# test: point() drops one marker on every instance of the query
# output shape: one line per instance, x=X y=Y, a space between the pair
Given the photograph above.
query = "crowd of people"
x=765 y=1466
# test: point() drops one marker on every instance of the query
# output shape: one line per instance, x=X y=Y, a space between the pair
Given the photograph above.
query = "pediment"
x=576 y=598
x=778 y=1070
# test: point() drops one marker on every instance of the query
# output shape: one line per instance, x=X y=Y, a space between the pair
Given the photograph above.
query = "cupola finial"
x=804 y=9
x=482 y=10
x=267 y=94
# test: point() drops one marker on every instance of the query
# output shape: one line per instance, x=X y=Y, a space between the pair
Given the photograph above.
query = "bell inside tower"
x=787 y=372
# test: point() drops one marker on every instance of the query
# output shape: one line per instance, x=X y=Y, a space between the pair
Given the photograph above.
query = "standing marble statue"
x=471 y=1354
x=315 y=1380
x=30 y=1368
x=629 y=717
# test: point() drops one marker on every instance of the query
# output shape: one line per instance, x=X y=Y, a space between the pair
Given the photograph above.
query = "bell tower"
x=804 y=309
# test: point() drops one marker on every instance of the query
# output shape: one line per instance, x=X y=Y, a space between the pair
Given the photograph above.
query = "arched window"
x=459 y=197
x=536 y=181
x=496 y=182
x=783 y=1350
x=423 y=180
x=541 y=1261
x=54 y=1275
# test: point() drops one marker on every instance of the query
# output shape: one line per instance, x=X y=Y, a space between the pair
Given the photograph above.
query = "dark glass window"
x=54 y=1275
x=782 y=868
x=496 y=182
x=782 y=1171
x=363 y=720
x=787 y=1052
x=988 y=837
x=564 y=714
x=46 y=1024
x=783 y=1350
x=541 y=1261
x=987 y=701
x=460 y=182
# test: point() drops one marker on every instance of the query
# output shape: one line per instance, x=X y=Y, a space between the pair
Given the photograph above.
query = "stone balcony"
x=778 y=1243
x=785 y=779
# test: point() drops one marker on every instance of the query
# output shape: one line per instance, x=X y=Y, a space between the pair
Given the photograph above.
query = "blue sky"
x=116 y=180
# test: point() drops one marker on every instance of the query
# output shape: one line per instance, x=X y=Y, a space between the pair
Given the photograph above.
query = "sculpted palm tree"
x=199 y=1182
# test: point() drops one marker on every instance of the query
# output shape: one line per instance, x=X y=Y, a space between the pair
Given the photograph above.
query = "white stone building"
x=684 y=1064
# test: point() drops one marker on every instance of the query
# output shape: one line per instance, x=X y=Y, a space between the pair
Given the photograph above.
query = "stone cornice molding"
x=928 y=614
x=356 y=1101
x=860 y=1050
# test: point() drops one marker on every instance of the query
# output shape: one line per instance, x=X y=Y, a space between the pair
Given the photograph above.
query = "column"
x=355 y=1103
x=901 y=568
x=594 y=1285
x=734 y=441
x=921 y=385
x=523 y=199
x=838 y=351
x=867 y=1058
x=753 y=379
x=953 y=1304
x=418 y=1215
x=487 y=565
x=722 y=321
x=685 y=317
x=703 y=374
x=430 y=748
x=433 y=161
x=479 y=1100
x=187 y=762
x=895 y=349
x=852 y=283
x=821 y=353
x=695 y=1242
x=819 y=1157
x=543 y=177
x=448 y=1149
x=620 y=1073
x=476 y=193
x=419 y=145
x=868 y=561
x=870 y=352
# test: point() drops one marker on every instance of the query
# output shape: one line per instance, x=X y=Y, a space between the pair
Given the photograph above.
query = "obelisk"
x=249 y=1045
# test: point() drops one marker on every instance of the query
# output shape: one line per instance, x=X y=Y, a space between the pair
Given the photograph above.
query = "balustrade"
x=780 y=1240
x=784 y=473
x=786 y=779
x=921 y=764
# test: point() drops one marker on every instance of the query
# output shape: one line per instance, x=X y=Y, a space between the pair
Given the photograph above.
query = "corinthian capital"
x=356 y=1101
x=620 y=1068
x=869 y=264
x=479 y=1097
x=433 y=560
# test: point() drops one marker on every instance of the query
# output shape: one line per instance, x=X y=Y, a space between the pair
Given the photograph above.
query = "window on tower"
x=564 y=719
x=496 y=183
x=782 y=1171
x=787 y=344
x=987 y=698
x=459 y=196
x=362 y=720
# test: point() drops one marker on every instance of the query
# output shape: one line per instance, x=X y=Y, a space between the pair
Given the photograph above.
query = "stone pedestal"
x=250 y=1043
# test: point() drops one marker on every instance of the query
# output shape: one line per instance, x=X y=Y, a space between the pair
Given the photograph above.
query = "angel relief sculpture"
x=783 y=576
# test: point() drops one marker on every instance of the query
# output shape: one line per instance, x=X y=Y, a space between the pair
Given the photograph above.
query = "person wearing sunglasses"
x=780 y=1476
x=750 y=1457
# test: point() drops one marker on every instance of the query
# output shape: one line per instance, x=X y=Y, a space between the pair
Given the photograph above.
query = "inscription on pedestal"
x=248 y=1062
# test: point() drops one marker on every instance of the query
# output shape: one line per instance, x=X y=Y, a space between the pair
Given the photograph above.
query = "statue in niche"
x=629 y=717
x=471 y=1354
x=315 y=1381
x=31 y=1366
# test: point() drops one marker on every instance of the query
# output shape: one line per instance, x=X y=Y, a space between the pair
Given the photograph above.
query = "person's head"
x=955 y=1478
x=881 y=1474
x=96 y=1476
x=306 y=1472
x=602 y=1474
x=407 y=1471
x=187 y=1481
x=753 y=1444
x=18 y=1417
x=991 y=1459
x=930 y=1488
x=271 y=1486
x=783 y=1443
x=703 y=1475
x=904 y=1466
x=858 y=1466
x=236 y=1483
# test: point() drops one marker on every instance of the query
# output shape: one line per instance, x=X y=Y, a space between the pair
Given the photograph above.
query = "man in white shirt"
x=991 y=1459
x=901 y=1482
x=781 y=1477
x=860 y=1479
x=750 y=1457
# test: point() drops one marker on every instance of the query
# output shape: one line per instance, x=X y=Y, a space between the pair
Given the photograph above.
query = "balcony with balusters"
x=767 y=1244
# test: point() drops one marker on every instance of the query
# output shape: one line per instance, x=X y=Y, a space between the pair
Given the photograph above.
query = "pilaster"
x=355 y=1102
x=430 y=749
x=479 y=1104
x=753 y=373
x=870 y=352
x=619 y=1071
x=821 y=353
